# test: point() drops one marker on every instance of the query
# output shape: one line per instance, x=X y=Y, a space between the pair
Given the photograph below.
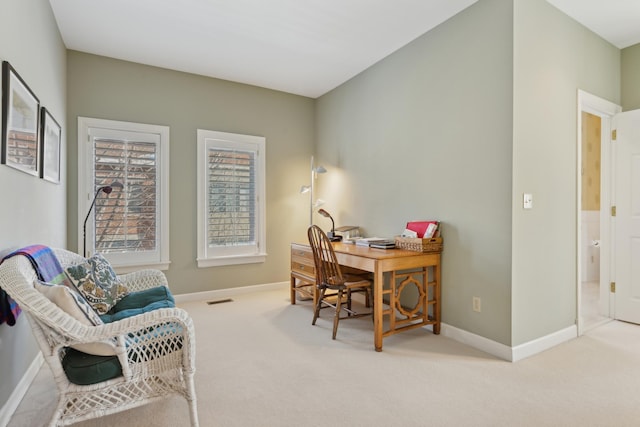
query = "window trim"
x=85 y=194
x=206 y=257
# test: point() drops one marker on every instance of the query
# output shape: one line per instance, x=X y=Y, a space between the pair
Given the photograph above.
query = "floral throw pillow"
x=97 y=282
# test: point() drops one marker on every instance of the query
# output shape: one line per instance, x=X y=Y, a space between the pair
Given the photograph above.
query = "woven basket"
x=419 y=245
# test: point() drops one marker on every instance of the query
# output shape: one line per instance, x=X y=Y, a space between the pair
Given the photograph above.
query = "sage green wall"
x=426 y=134
x=631 y=78
x=107 y=88
x=554 y=57
x=31 y=210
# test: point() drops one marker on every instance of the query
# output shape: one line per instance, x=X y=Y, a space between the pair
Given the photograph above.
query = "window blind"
x=126 y=219
x=231 y=197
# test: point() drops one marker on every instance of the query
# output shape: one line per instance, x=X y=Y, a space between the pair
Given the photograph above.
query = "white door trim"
x=605 y=110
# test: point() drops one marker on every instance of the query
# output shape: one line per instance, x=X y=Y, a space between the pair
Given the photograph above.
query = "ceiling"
x=617 y=21
x=304 y=47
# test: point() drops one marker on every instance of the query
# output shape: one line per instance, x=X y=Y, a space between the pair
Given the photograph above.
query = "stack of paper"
x=376 y=242
x=365 y=241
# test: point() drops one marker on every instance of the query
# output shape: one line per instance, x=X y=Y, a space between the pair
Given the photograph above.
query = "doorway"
x=594 y=301
x=590 y=207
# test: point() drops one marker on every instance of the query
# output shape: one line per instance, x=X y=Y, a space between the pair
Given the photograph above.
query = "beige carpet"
x=261 y=363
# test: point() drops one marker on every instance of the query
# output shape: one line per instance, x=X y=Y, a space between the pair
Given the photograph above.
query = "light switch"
x=527 y=201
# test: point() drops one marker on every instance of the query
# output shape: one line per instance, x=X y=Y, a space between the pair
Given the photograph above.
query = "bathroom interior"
x=590 y=220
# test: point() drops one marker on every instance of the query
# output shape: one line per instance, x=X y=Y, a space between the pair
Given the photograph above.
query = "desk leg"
x=437 y=309
x=377 y=308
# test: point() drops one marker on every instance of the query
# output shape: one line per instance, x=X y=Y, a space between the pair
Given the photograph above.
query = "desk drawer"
x=302 y=261
x=300 y=251
x=303 y=268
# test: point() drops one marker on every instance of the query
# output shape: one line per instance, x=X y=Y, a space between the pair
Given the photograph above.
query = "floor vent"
x=219 y=301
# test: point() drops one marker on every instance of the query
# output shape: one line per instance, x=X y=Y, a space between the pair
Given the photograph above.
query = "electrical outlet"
x=477 y=304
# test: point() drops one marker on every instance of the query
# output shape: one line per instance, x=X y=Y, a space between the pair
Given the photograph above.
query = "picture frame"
x=51 y=140
x=20 y=123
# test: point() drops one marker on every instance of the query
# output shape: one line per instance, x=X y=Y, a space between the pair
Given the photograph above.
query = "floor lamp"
x=107 y=189
x=309 y=188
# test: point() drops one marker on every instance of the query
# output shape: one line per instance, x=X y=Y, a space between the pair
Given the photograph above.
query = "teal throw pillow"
x=140 y=302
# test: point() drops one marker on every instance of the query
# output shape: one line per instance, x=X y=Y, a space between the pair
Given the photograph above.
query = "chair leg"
x=191 y=399
x=316 y=312
x=348 y=302
x=336 y=317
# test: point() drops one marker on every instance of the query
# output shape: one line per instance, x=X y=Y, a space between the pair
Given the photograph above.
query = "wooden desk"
x=406 y=268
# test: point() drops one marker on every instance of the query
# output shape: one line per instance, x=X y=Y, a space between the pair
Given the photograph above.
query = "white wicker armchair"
x=156 y=350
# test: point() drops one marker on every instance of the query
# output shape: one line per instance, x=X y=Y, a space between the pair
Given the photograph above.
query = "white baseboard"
x=541 y=344
x=476 y=341
x=511 y=354
x=229 y=292
x=21 y=389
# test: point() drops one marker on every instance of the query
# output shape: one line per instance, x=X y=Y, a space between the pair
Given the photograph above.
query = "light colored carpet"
x=261 y=363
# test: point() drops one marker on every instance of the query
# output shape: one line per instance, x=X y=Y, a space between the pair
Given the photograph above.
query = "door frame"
x=605 y=110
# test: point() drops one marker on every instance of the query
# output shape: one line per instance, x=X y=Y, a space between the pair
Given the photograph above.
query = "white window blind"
x=129 y=226
x=231 y=194
x=232 y=197
x=126 y=220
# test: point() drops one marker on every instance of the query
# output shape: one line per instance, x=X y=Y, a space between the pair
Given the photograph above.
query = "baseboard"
x=511 y=354
x=546 y=342
x=21 y=389
x=476 y=341
x=229 y=292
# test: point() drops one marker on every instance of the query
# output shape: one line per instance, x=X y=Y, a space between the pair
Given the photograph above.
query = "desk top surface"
x=374 y=253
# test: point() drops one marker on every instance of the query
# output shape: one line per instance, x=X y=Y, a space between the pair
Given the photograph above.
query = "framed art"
x=20 y=123
x=50 y=139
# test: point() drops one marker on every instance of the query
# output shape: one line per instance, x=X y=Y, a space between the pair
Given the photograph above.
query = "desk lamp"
x=107 y=189
x=332 y=234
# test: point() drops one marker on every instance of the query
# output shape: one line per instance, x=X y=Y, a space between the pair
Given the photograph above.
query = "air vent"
x=219 y=301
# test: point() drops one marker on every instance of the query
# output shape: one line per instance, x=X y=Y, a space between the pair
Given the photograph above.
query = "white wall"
x=630 y=78
x=108 y=88
x=554 y=56
x=426 y=134
x=457 y=125
x=31 y=210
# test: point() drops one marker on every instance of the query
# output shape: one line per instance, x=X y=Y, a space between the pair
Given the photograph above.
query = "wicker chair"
x=156 y=350
x=329 y=277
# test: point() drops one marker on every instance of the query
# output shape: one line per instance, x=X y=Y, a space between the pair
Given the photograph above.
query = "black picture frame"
x=51 y=140
x=20 y=123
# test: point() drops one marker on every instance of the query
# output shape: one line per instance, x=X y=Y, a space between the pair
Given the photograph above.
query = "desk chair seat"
x=334 y=287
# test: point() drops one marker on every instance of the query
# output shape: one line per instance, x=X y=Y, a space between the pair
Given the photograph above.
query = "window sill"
x=124 y=269
x=231 y=260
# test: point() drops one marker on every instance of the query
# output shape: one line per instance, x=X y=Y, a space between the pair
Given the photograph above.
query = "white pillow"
x=77 y=307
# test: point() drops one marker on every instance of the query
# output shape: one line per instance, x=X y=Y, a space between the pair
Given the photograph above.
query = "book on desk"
x=376 y=242
x=387 y=244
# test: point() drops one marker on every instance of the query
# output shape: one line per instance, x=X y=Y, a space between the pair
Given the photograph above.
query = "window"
x=231 y=199
x=129 y=226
